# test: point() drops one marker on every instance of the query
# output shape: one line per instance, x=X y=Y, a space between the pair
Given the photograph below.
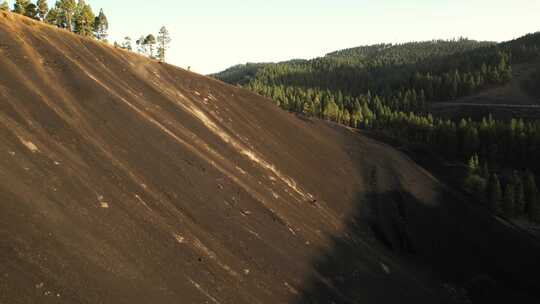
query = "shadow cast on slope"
x=397 y=249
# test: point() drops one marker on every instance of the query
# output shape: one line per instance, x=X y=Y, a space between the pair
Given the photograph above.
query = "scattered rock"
x=385 y=268
x=290 y=288
x=179 y=238
x=102 y=203
x=30 y=145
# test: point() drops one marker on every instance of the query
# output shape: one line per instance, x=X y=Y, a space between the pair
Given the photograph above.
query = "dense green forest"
x=387 y=88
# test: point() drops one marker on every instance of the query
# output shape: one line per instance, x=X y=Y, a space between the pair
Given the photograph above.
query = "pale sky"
x=211 y=35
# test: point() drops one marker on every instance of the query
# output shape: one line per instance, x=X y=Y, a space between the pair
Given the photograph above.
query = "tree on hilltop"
x=101 y=26
x=31 y=11
x=150 y=42
x=163 y=39
x=140 y=45
x=126 y=45
x=19 y=7
x=67 y=10
x=84 y=19
x=54 y=17
x=42 y=9
x=4 y=6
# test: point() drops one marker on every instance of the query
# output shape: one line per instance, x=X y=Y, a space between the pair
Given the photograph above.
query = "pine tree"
x=495 y=194
x=346 y=118
x=53 y=17
x=126 y=45
x=307 y=109
x=532 y=203
x=476 y=186
x=42 y=8
x=509 y=200
x=453 y=89
x=484 y=171
x=83 y=19
x=4 y=6
x=101 y=26
x=519 y=200
x=163 y=39
x=31 y=11
x=331 y=111
x=67 y=9
x=140 y=45
x=150 y=42
x=474 y=165
x=19 y=7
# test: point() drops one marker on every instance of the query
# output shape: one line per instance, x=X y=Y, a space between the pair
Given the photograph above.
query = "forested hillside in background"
x=388 y=88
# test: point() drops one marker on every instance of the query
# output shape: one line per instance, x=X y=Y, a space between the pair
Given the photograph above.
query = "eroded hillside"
x=123 y=180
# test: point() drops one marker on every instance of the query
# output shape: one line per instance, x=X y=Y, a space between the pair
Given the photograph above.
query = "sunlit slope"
x=123 y=180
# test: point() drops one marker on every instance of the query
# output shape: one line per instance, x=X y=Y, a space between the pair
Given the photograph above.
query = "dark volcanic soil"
x=123 y=180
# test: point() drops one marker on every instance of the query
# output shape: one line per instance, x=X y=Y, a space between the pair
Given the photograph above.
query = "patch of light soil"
x=30 y=145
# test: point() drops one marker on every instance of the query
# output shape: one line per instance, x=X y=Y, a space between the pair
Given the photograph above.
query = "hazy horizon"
x=211 y=35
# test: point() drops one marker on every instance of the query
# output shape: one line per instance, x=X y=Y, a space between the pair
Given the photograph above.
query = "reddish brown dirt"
x=123 y=180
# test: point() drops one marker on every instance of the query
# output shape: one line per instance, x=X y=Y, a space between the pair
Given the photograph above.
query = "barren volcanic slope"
x=123 y=180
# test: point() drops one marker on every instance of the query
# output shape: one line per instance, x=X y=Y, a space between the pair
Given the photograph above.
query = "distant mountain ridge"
x=405 y=77
x=242 y=73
